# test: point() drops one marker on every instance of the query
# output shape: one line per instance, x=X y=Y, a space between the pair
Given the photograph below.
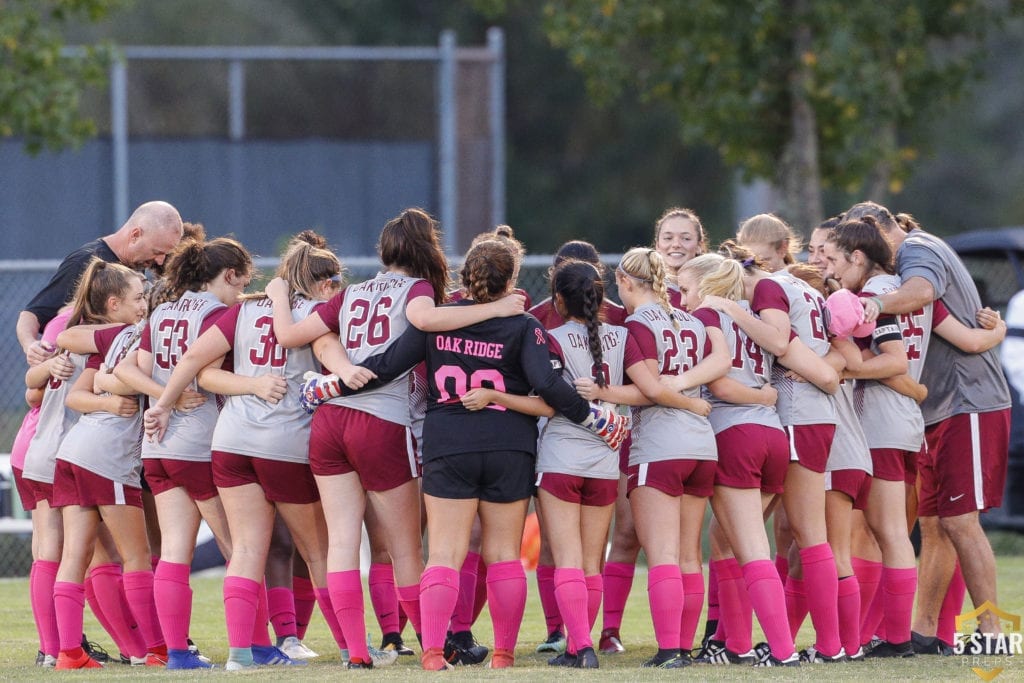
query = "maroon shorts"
x=810 y=445
x=674 y=477
x=854 y=483
x=344 y=440
x=74 y=485
x=967 y=454
x=195 y=476
x=910 y=466
x=624 y=454
x=579 y=490
x=25 y=490
x=891 y=464
x=282 y=482
x=38 y=492
x=752 y=456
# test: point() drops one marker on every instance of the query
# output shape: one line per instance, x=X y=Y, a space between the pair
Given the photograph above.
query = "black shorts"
x=493 y=477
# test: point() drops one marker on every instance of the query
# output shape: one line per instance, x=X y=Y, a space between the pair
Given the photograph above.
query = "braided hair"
x=582 y=290
x=647 y=267
x=488 y=269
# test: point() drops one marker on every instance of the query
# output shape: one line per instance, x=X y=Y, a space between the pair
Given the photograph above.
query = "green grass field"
x=208 y=631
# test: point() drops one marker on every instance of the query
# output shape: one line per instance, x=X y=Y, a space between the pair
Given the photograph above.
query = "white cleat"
x=294 y=648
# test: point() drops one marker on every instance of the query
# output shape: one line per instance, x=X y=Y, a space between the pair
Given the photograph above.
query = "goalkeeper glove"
x=608 y=424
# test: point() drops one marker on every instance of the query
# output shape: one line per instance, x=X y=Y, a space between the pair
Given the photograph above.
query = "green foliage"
x=40 y=88
x=726 y=67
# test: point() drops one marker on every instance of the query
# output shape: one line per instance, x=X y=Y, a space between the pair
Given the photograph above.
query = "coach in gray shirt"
x=967 y=418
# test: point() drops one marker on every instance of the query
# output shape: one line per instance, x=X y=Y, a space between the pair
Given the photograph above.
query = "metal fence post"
x=496 y=45
x=119 y=138
x=236 y=99
x=447 y=156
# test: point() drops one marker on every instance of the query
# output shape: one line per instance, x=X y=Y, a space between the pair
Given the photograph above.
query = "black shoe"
x=355 y=664
x=715 y=652
x=767 y=659
x=564 y=659
x=461 y=648
x=393 y=641
x=812 y=656
x=887 y=649
x=124 y=659
x=930 y=645
x=710 y=626
x=586 y=659
x=666 y=659
x=95 y=651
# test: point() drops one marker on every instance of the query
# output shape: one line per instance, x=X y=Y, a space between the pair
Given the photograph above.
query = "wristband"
x=878 y=302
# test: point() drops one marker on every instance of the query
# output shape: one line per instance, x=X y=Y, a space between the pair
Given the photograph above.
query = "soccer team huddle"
x=839 y=395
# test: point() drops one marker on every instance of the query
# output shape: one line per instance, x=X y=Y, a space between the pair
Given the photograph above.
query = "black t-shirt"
x=507 y=354
x=61 y=287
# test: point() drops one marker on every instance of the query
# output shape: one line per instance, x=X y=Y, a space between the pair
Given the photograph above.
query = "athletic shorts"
x=854 y=483
x=752 y=456
x=911 y=464
x=74 y=485
x=344 y=440
x=579 y=490
x=195 y=476
x=282 y=482
x=493 y=477
x=624 y=454
x=809 y=445
x=893 y=464
x=674 y=477
x=38 y=491
x=967 y=457
x=25 y=491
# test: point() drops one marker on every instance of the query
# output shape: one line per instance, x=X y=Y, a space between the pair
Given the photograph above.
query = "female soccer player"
x=678 y=236
x=770 y=239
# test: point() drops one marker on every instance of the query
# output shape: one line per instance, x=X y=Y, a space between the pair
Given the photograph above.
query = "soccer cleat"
x=239 y=666
x=502 y=659
x=872 y=644
x=767 y=659
x=294 y=648
x=461 y=648
x=715 y=652
x=193 y=648
x=761 y=648
x=554 y=643
x=393 y=641
x=381 y=658
x=857 y=656
x=564 y=659
x=887 y=649
x=46 y=661
x=66 y=661
x=268 y=655
x=929 y=645
x=317 y=389
x=586 y=659
x=667 y=659
x=184 y=659
x=607 y=423
x=433 y=659
x=94 y=650
x=610 y=642
x=812 y=656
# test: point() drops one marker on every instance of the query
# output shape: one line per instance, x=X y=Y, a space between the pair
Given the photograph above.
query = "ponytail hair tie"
x=747 y=262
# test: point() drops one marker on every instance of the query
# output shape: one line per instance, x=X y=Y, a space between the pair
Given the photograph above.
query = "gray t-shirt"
x=957 y=382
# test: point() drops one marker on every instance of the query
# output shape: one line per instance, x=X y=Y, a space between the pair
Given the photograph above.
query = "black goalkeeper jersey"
x=506 y=354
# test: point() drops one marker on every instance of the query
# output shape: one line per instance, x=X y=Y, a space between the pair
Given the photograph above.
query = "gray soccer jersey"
x=103 y=443
x=849 y=446
x=248 y=425
x=565 y=447
x=55 y=421
x=661 y=433
x=800 y=403
x=890 y=419
x=372 y=317
x=957 y=382
x=174 y=327
x=751 y=366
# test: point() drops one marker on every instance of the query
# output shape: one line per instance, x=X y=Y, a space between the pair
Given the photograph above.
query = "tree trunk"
x=799 y=175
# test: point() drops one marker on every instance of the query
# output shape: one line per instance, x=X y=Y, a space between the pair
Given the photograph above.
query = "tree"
x=40 y=88
x=805 y=93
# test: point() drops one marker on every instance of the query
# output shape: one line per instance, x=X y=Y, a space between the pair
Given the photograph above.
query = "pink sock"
x=44 y=575
x=714 y=613
x=693 y=605
x=506 y=593
x=462 y=617
x=439 y=591
x=281 y=608
x=782 y=567
x=305 y=601
x=109 y=596
x=241 y=597
x=869 y=575
x=796 y=604
x=69 y=605
x=481 y=589
x=721 y=633
x=260 y=630
x=383 y=596
x=872 y=624
x=97 y=609
x=822 y=582
x=31 y=599
x=323 y=598
x=403 y=619
x=548 y=603
x=769 y=602
x=952 y=605
x=899 y=585
x=409 y=602
x=595 y=591
x=737 y=612
x=665 y=594
x=346 y=589
x=618 y=580
x=571 y=596
x=173 y=598
x=849 y=614
x=138 y=591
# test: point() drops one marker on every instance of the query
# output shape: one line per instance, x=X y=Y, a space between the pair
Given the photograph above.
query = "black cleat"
x=393 y=641
x=929 y=645
x=564 y=659
x=667 y=659
x=586 y=659
x=94 y=650
x=887 y=649
x=461 y=648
